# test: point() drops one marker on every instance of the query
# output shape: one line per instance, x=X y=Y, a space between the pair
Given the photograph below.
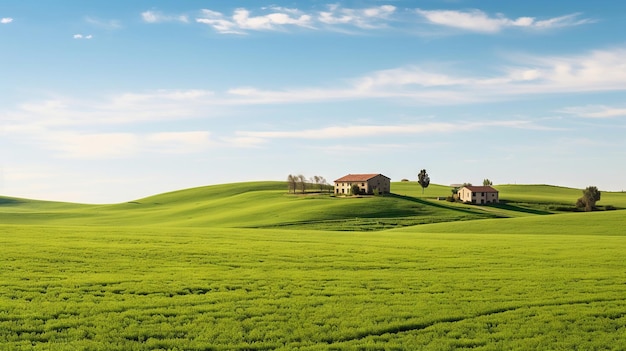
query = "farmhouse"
x=368 y=183
x=478 y=194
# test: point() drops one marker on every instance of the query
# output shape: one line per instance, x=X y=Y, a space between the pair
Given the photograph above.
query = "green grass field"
x=249 y=267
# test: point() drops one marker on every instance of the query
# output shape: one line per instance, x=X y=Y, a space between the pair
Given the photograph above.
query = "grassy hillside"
x=19 y=205
x=556 y=195
x=606 y=223
x=220 y=268
x=251 y=204
x=268 y=205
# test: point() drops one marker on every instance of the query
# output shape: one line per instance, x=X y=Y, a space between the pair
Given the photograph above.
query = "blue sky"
x=106 y=102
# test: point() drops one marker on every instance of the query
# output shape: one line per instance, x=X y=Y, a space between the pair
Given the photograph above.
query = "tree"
x=315 y=180
x=292 y=182
x=487 y=182
x=302 y=182
x=591 y=195
x=423 y=179
x=321 y=181
x=355 y=189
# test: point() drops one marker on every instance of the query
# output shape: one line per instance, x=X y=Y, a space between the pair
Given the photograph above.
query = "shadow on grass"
x=421 y=325
x=5 y=201
x=434 y=204
x=505 y=205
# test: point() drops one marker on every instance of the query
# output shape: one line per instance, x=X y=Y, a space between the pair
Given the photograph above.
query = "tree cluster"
x=300 y=182
x=591 y=195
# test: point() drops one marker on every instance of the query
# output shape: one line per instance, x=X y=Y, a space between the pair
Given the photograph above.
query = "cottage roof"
x=358 y=177
x=481 y=189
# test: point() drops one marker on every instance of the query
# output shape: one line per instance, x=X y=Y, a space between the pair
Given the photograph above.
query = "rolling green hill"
x=250 y=204
x=268 y=205
x=247 y=266
x=605 y=223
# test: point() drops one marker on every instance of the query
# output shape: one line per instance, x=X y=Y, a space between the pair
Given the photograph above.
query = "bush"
x=450 y=199
x=355 y=190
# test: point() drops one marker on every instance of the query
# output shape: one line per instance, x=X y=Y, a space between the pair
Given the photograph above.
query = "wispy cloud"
x=601 y=70
x=339 y=18
x=86 y=145
x=595 y=111
x=158 y=17
x=104 y=24
x=6 y=20
x=242 y=21
x=90 y=145
x=179 y=142
x=595 y=71
x=111 y=110
x=366 y=18
x=360 y=131
x=479 y=21
x=82 y=36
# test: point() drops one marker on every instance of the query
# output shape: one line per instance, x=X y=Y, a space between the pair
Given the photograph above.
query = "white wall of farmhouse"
x=368 y=184
x=479 y=195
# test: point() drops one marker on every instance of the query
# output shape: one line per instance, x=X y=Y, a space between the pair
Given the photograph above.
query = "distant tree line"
x=301 y=183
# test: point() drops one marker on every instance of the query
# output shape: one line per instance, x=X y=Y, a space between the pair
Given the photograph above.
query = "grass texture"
x=112 y=288
x=249 y=267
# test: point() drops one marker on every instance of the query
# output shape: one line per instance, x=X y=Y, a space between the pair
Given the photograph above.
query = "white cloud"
x=91 y=145
x=596 y=111
x=179 y=142
x=601 y=70
x=81 y=36
x=366 y=18
x=563 y=21
x=158 y=17
x=79 y=145
x=104 y=24
x=123 y=108
x=241 y=20
x=243 y=141
x=478 y=21
x=338 y=18
x=218 y=22
x=6 y=20
x=70 y=127
x=268 y=22
x=359 y=131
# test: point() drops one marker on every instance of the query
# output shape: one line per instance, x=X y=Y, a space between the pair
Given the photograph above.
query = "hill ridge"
x=267 y=204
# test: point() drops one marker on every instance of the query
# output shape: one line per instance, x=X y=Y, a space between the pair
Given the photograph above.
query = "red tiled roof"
x=481 y=189
x=358 y=177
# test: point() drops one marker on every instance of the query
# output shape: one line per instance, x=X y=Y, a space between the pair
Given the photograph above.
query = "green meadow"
x=249 y=267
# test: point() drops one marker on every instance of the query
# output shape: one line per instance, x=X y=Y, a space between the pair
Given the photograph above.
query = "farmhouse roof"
x=358 y=177
x=481 y=189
